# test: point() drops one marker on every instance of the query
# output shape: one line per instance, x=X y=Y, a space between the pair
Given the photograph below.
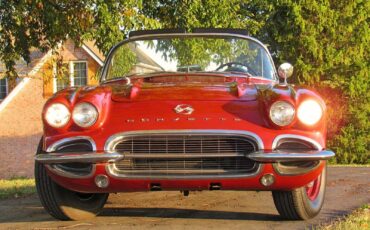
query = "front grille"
x=185 y=155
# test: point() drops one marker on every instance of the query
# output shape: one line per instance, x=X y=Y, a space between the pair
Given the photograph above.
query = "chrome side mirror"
x=285 y=70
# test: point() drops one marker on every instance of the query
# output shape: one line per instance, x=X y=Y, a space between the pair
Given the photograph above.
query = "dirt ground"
x=347 y=189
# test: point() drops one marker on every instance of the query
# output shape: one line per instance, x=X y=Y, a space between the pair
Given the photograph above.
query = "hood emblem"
x=184 y=109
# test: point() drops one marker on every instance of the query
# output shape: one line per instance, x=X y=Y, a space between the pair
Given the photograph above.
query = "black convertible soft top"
x=183 y=31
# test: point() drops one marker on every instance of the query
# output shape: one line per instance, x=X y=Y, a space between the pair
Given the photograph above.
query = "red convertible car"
x=184 y=111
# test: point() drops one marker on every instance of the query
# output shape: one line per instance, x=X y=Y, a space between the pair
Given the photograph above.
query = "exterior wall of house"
x=70 y=52
x=20 y=130
x=20 y=121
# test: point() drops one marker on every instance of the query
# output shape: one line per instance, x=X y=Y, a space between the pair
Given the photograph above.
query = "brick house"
x=22 y=100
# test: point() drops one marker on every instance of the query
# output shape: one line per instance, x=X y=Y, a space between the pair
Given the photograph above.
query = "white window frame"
x=6 y=89
x=71 y=73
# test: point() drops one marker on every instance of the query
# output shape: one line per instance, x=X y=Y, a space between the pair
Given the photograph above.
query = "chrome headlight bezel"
x=310 y=112
x=57 y=115
x=85 y=114
x=282 y=113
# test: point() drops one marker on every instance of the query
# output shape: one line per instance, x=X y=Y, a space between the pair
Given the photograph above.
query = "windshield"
x=190 y=54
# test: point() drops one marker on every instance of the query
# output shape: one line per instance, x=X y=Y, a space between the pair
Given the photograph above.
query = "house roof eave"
x=93 y=55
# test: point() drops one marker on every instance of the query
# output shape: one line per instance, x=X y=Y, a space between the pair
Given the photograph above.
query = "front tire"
x=303 y=203
x=62 y=203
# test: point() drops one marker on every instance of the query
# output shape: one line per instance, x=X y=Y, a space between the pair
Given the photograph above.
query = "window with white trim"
x=79 y=73
x=77 y=76
x=3 y=88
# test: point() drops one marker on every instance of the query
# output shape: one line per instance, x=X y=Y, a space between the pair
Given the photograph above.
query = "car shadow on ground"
x=188 y=214
x=29 y=209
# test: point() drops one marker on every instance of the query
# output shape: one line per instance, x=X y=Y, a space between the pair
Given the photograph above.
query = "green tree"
x=43 y=24
x=328 y=43
x=326 y=40
x=191 y=14
x=122 y=62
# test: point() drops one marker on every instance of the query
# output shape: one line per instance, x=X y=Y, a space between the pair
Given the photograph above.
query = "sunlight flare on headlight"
x=309 y=112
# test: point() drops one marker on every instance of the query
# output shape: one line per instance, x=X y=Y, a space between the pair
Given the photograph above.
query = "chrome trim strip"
x=114 y=139
x=183 y=156
x=292 y=136
x=75 y=157
x=278 y=156
x=53 y=147
x=111 y=171
x=110 y=144
x=111 y=51
x=279 y=169
x=55 y=169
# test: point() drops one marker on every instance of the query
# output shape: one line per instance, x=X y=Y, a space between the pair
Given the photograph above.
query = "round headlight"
x=57 y=115
x=282 y=113
x=309 y=112
x=84 y=114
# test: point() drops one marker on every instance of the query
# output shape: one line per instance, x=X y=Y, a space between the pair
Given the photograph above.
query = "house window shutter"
x=3 y=88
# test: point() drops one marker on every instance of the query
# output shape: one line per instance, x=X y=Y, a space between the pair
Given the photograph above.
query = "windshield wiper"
x=119 y=78
x=155 y=74
x=139 y=75
x=222 y=74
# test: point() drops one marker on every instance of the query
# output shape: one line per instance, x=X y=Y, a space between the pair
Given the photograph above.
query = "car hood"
x=248 y=102
x=193 y=91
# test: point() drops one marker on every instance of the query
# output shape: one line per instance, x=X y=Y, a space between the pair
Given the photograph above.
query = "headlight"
x=282 y=113
x=309 y=112
x=85 y=114
x=57 y=115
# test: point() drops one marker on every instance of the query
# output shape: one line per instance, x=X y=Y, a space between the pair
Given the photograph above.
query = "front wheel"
x=302 y=203
x=62 y=203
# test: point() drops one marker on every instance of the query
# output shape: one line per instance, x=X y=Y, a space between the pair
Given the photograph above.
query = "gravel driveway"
x=347 y=189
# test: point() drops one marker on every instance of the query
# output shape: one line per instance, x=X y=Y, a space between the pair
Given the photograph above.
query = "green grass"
x=17 y=187
x=349 y=165
x=357 y=220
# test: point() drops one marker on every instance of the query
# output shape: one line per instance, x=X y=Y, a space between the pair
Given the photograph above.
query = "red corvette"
x=184 y=111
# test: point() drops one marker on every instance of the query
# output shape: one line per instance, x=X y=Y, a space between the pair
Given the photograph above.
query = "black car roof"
x=183 y=31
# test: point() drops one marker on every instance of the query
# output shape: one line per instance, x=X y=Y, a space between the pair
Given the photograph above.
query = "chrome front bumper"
x=259 y=156
x=291 y=156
